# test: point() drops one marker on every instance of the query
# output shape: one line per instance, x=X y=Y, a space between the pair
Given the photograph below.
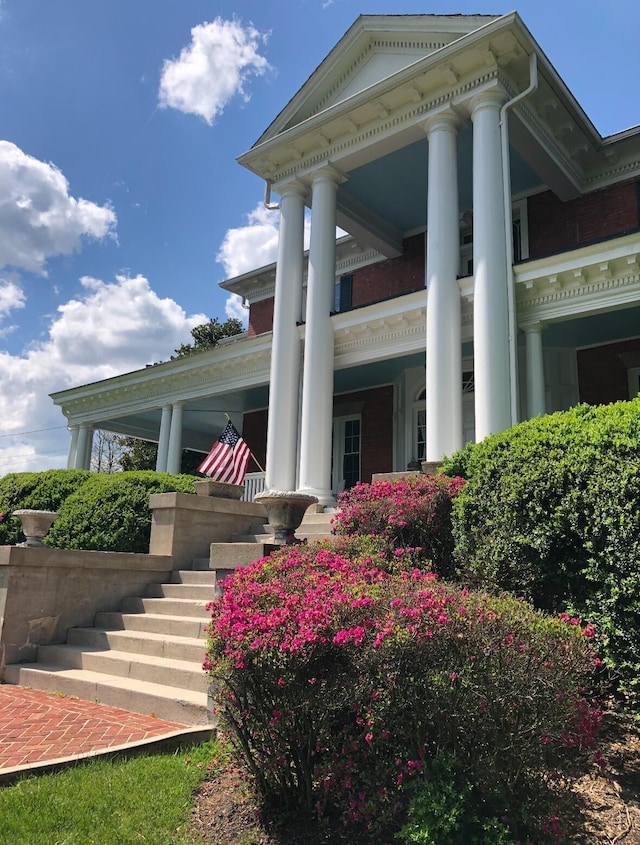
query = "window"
x=520 y=236
x=343 y=294
x=347 y=436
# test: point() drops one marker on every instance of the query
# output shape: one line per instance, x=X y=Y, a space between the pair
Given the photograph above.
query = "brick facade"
x=555 y=226
x=375 y=406
x=393 y=277
x=602 y=371
x=261 y=317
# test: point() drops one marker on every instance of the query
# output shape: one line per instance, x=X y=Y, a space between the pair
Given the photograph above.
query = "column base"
x=326 y=498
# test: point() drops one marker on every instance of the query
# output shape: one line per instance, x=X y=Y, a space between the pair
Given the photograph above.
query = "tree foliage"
x=208 y=335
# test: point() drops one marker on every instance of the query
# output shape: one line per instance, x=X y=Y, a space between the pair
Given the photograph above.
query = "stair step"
x=252 y=538
x=156 y=623
x=169 y=607
x=202 y=592
x=187 y=707
x=140 y=642
x=203 y=576
x=121 y=664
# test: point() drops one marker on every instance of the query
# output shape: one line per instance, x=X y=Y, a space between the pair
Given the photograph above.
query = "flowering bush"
x=340 y=684
x=412 y=516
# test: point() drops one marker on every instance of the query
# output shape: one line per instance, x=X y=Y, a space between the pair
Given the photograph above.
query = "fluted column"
x=174 y=454
x=536 y=396
x=163 y=439
x=88 y=449
x=317 y=384
x=284 y=381
x=73 y=447
x=444 y=355
x=490 y=302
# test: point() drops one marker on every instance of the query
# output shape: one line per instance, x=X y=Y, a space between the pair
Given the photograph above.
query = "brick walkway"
x=37 y=728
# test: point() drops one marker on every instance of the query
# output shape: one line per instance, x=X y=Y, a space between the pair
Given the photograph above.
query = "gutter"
x=508 y=222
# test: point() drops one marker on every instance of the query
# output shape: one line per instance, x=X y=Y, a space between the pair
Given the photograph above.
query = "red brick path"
x=38 y=727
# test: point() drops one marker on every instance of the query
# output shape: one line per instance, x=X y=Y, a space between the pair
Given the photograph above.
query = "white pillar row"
x=536 y=395
x=163 y=439
x=284 y=380
x=490 y=302
x=174 y=449
x=81 y=447
x=444 y=351
x=73 y=447
x=317 y=383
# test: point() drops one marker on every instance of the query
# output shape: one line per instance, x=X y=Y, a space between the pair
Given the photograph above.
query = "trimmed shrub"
x=35 y=490
x=111 y=512
x=551 y=512
x=340 y=684
x=411 y=517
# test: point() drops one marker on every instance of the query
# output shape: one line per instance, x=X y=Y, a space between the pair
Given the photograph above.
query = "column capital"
x=533 y=327
x=293 y=186
x=327 y=173
x=490 y=98
x=446 y=118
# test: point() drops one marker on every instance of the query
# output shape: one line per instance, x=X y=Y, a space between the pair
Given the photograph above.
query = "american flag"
x=228 y=458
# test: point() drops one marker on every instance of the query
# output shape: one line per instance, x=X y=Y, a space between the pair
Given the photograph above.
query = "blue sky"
x=121 y=203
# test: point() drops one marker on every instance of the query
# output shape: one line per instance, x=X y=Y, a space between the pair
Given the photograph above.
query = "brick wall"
x=261 y=317
x=392 y=277
x=254 y=433
x=602 y=371
x=376 y=407
x=555 y=225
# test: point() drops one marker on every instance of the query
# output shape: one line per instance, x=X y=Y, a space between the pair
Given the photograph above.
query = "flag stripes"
x=228 y=459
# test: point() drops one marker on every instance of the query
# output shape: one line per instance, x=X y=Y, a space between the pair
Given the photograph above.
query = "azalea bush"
x=410 y=516
x=340 y=684
x=551 y=512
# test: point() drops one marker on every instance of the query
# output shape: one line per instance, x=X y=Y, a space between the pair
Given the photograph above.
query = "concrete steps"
x=146 y=658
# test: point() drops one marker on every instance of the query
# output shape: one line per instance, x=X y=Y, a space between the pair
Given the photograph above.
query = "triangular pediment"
x=374 y=48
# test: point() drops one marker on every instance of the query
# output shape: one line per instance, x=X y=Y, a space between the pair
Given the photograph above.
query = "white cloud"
x=215 y=67
x=83 y=346
x=11 y=297
x=38 y=217
x=234 y=308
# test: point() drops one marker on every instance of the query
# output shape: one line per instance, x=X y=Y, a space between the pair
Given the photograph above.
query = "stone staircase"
x=148 y=656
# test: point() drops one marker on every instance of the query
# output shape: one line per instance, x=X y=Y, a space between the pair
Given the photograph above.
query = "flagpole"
x=255 y=460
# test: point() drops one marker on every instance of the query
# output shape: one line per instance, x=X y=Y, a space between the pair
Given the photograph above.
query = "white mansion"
x=491 y=272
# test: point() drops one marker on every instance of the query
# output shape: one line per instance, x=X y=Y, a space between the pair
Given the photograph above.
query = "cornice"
x=592 y=279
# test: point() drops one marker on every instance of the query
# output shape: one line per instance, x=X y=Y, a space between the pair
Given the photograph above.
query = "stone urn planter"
x=285 y=511
x=35 y=525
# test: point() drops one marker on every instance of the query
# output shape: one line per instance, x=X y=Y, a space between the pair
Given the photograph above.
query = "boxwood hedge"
x=97 y=511
x=551 y=511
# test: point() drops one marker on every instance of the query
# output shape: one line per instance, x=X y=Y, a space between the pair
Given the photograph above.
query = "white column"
x=444 y=355
x=490 y=302
x=163 y=439
x=81 y=448
x=317 y=383
x=174 y=454
x=536 y=397
x=73 y=447
x=88 y=451
x=284 y=381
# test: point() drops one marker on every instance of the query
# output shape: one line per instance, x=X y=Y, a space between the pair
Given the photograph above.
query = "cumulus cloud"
x=216 y=66
x=82 y=346
x=11 y=297
x=38 y=216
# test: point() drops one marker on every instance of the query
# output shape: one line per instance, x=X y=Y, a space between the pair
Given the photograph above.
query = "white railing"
x=254 y=483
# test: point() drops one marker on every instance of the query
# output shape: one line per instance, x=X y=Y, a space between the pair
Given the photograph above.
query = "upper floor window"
x=519 y=232
x=343 y=299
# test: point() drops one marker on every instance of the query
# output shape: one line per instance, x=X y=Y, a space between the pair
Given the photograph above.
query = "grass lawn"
x=144 y=799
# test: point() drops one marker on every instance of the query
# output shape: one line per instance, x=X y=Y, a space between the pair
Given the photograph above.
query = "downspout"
x=271 y=206
x=508 y=221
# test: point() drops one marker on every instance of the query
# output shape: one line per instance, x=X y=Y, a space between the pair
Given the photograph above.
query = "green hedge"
x=97 y=511
x=551 y=511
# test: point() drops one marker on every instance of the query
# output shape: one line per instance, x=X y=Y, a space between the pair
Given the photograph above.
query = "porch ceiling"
x=395 y=186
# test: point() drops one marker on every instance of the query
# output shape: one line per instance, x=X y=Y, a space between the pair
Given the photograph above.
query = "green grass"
x=138 y=801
